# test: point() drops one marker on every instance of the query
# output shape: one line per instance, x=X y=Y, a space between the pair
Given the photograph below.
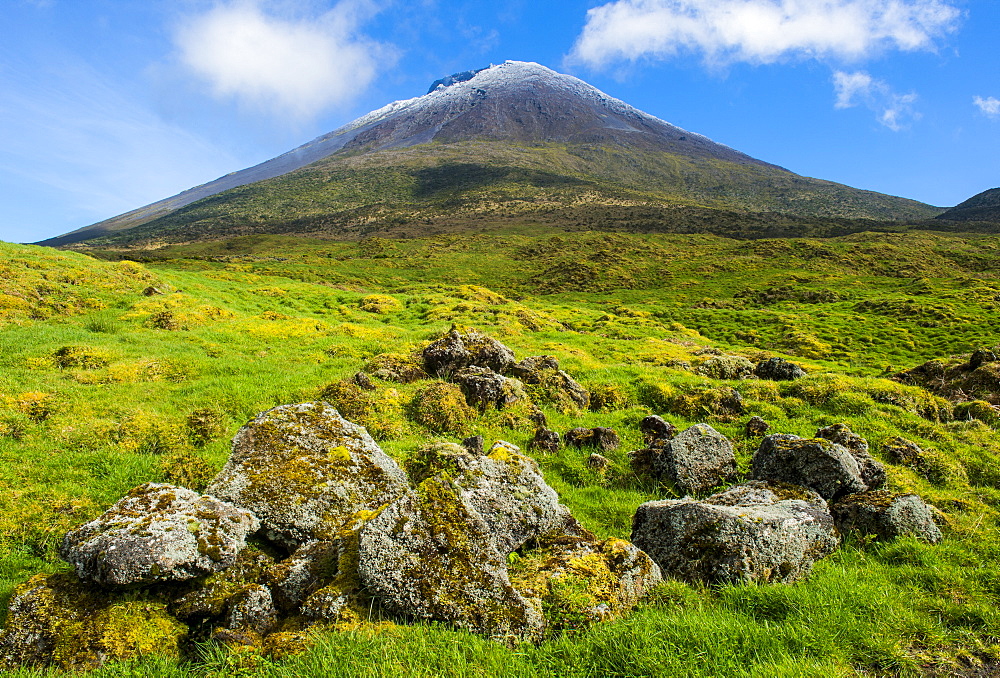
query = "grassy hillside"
x=438 y=186
x=103 y=388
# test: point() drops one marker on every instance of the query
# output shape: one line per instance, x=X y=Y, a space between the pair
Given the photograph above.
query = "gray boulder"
x=886 y=516
x=816 y=463
x=726 y=367
x=429 y=555
x=456 y=350
x=748 y=533
x=778 y=369
x=158 y=533
x=305 y=471
x=485 y=388
x=697 y=459
x=872 y=472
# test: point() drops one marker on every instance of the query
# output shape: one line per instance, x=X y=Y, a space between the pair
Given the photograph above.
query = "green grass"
x=98 y=384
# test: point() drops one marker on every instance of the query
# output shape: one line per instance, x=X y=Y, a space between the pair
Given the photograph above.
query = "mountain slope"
x=984 y=206
x=517 y=136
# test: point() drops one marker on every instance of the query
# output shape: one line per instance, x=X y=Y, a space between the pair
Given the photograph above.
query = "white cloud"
x=989 y=106
x=892 y=109
x=287 y=65
x=759 y=31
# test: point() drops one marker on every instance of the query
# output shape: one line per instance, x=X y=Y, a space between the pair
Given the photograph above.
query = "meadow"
x=130 y=366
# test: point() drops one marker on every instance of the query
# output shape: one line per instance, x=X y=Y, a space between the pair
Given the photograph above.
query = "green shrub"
x=205 y=425
x=607 y=397
x=186 y=468
x=380 y=304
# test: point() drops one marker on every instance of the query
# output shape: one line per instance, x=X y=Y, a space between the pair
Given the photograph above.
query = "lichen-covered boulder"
x=872 y=472
x=748 y=533
x=816 y=463
x=214 y=597
x=485 y=388
x=697 y=459
x=456 y=350
x=429 y=555
x=655 y=431
x=158 y=533
x=305 y=471
x=550 y=384
x=577 y=581
x=886 y=516
x=599 y=437
x=308 y=569
x=503 y=488
x=778 y=369
x=55 y=620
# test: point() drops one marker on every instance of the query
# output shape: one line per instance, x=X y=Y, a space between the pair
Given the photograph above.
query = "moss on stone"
x=441 y=407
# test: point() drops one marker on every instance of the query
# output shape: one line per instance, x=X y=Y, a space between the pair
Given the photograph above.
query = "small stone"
x=598 y=462
x=756 y=427
x=656 y=431
x=603 y=439
x=545 y=441
x=151 y=291
x=253 y=609
x=364 y=382
x=980 y=357
x=645 y=463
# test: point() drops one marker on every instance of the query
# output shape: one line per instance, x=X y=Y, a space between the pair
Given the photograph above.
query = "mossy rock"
x=380 y=304
x=305 y=471
x=929 y=464
x=580 y=581
x=468 y=348
x=55 y=620
x=442 y=408
x=397 y=367
x=724 y=403
x=885 y=515
x=726 y=367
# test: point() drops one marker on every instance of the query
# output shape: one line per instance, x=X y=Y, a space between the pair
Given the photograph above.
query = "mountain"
x=516 y=140
x=984 y=206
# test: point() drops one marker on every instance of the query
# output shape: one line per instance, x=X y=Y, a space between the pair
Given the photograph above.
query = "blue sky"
x=107 y=105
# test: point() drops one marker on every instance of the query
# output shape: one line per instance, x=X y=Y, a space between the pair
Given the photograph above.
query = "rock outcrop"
x=872 y=472
x=767 y=532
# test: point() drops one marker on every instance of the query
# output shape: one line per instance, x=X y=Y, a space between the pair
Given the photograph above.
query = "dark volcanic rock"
x=456 y=350
x=698 y=459
x=656 y=431
x=817 y=463
x=886 y=516
x=755 y=427
x=778 y=369
x=545 y=441
x=603 y=439
x=756 y=532
x=158 y=533
x=872 y=472
x=485 y=388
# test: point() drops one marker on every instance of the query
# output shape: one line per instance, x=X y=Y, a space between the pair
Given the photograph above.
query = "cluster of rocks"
x=976 y=378
x=801 y=497
x=311 y=524
x=737 y=367
x=486 y=370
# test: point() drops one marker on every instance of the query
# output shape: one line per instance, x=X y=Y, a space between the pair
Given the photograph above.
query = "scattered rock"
x=252 y=609
x=158 y=533
x=817 y=463
x=308 y=569
x=656 y=431
x=550 y=384
x=886 y=516
x=598 y=462
x=755 y=427
x=55 y=620
x=456 y=350
x=744 y=534
x=778 y=369
x=726 y=367
x=929 y=464
x=545 y=441
x=484 y=388
x=305 y=471
x=645 y=463
x=151 y=291
x=872 y=472
x=603 y=439
x=698 y=459
x=211 y=599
